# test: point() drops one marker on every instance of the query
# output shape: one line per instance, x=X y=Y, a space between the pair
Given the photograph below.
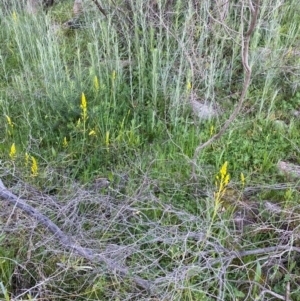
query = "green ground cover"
x=111 y=100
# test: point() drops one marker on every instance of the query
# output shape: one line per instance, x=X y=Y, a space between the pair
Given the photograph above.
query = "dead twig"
x=100 y=7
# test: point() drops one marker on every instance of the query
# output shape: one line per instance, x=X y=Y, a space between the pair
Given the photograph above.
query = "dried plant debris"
x=203 y=109
x=290 y=170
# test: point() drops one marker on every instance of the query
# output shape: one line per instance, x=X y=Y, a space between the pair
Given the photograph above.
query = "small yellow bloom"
x=113 y=75
x=226 y=180
x=65 y=142
x=243 y=179
x=212 y=130
x=26 y=159
x=96 y=83
x=83 y=106
x=222 y=179
x=9 y=121
x=34 y=167
x=14 y=16
x=189 y=86
x=223 y=170
x=107 y=139
x=83 y=102
x=92 y=133
x=12 y=153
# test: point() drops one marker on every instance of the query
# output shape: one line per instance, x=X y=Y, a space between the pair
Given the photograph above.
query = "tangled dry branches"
x=126 y=241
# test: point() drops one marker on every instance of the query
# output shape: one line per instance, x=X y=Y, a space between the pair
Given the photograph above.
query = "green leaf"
x=257 y=277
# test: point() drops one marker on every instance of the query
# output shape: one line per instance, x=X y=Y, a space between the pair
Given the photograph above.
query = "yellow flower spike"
x=83 y=102
x=212 y=130
x=189 y=86
x=107 y=139
x=12 y=153
x=14 y=16
x=223 y=170
x=96 y=83
x=222 y=186
x=34 y=167
x=114 y=75
x=83 y=106
x=26 y=159
x=227 y=178
x=222 y=181
x=243 y=179
x=65 y=142
x=92 y=133
x=9 y=121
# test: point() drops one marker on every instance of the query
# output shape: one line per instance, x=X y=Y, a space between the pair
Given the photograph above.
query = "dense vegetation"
x=114 y=101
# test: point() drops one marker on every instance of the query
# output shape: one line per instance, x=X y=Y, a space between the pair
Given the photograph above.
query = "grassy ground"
x=111 y=101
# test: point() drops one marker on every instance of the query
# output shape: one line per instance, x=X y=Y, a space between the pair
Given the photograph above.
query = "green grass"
x=136 y=69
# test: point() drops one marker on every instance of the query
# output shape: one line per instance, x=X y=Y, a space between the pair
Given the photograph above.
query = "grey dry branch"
x=67 y=241
x=100 y=7
x=209 y=257
x=245 y=59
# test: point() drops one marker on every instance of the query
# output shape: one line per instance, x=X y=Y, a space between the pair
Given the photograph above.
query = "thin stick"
x=245 y=60
x=100 y=8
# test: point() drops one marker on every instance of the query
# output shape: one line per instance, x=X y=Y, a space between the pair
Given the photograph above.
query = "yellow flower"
x=113 y=75
x=83 y=102
x=212 y=130
x=107 y=140
x=222 y=181
x=9 y=121
x=65 y=142
x=223 y=170
x=26 y=159
x=34 y=167
x=96 y=83
x=83 y=106
x=92 y=133
x=243 y=179
x=189 y=86
x=14 y=16
x=12 y=153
